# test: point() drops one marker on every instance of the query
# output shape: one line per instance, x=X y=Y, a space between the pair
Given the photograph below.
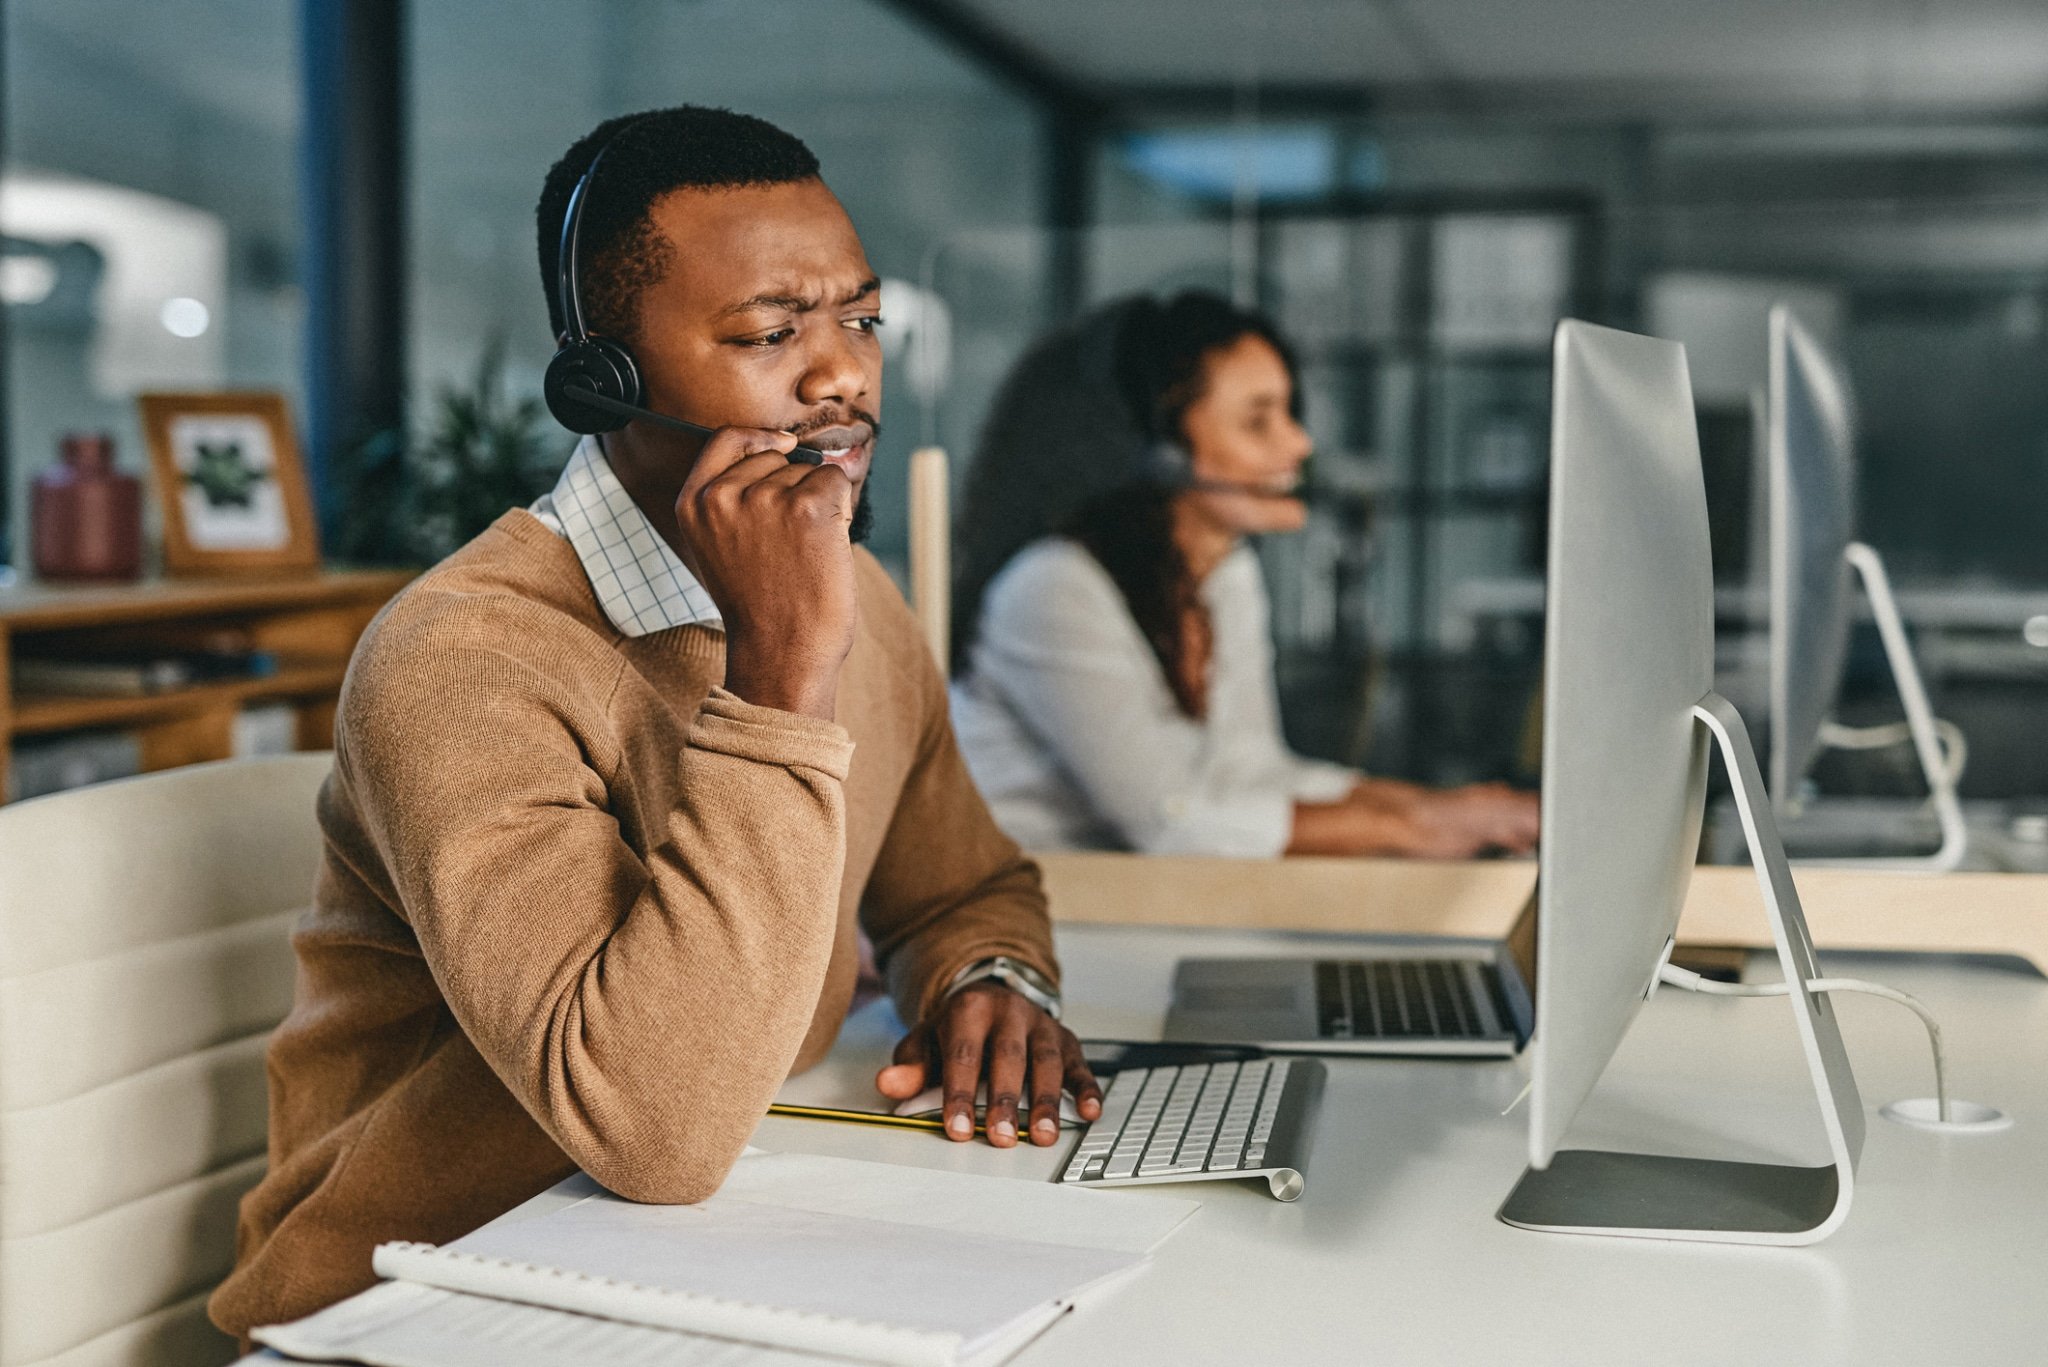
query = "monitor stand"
x=1656 y=1196
x=1941 y=788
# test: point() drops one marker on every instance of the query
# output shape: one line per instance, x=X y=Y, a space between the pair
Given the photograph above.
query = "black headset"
x=1165 y=460
x=593 y=383
x=587 y=370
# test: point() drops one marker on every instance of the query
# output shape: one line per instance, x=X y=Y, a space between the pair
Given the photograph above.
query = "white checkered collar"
x=640 y=582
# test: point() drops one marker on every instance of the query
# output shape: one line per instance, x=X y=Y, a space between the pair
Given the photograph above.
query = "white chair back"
x=144 y=959
x=931 y=550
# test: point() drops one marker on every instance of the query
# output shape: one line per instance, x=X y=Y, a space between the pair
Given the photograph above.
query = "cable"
x=1955 y=747
x=1688 y=981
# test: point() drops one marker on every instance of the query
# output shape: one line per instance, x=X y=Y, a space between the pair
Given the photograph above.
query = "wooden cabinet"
x=308 y=623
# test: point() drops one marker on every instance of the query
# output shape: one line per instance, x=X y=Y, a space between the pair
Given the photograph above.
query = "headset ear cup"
x=1167 y=464
x=600 y=365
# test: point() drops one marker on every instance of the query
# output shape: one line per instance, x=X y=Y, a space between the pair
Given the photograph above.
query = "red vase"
x=85 y=517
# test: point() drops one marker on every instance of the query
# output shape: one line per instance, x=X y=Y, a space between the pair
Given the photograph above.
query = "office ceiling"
x=1600 y=58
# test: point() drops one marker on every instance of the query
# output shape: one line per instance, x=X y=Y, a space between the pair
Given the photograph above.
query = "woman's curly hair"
x=1085 y=439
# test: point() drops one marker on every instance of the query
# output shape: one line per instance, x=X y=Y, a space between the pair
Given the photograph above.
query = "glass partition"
x=149 y=212
x=919 y=143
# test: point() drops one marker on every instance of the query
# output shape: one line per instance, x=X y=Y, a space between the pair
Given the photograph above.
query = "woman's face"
x=1241 y=432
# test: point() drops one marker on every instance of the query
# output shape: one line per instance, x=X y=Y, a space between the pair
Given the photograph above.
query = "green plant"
x=487 y=451
x=368 y=521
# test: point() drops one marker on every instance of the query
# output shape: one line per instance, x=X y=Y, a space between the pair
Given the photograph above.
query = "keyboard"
x=1202 y=1122
x=1405 y=998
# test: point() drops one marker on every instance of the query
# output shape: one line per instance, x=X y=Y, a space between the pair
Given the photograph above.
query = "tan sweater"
x=580 y=907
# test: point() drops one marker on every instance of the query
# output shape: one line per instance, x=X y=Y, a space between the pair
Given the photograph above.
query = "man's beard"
x=863 y=518
x=863 y=511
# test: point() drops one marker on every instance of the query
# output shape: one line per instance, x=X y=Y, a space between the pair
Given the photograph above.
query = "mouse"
x=931 y=1101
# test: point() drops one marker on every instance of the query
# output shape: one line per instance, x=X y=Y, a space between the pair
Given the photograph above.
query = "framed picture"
x=230 y=482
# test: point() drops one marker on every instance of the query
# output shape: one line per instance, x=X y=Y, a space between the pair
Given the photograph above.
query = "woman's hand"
x=1492 y=815
x=1389 y=817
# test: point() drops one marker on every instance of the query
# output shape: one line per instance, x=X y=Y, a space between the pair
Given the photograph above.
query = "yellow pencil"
x=912 y=1122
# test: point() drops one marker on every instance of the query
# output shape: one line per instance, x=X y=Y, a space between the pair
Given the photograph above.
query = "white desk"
x=1393 y=1254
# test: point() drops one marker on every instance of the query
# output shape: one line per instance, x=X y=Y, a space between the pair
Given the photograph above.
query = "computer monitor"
x=1629 y=718
x=1811 y=452
x=1810 y=447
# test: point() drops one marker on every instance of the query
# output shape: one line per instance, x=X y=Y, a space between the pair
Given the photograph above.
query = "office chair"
x=931 y=546
x=144 y=959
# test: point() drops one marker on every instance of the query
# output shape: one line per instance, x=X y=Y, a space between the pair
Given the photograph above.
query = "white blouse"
x=1073 y=735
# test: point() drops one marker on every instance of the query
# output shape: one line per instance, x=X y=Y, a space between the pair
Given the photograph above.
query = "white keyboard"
x=1204 y=1121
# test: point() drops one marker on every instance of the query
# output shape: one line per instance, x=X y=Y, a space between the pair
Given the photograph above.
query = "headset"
x=1169 y=464
x=593 y=383
x=1166 y=460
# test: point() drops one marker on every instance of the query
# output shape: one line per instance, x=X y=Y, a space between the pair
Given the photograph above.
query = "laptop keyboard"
x=1402 y=998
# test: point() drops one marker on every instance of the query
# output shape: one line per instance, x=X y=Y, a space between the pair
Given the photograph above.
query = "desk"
x=1976 y=913
x=1393 y=1254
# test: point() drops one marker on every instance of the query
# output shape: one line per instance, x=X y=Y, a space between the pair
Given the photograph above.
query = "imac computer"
x=1629 y=721
x=1811 y=456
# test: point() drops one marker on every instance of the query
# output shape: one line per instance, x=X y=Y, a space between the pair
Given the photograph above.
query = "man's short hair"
x=622 y=253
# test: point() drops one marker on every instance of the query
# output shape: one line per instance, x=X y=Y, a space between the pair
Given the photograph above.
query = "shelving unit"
x=1422 y=326
x=310 y=623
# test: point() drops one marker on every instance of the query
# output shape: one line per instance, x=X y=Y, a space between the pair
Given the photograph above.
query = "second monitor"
x=1813 y=549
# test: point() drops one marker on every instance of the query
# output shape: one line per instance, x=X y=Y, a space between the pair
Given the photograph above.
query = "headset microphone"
x=800 y=455
x=1247 y=487
x=1171 y=467
x=593 y=383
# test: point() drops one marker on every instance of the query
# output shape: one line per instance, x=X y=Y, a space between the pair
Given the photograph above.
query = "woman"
x=1113 y=671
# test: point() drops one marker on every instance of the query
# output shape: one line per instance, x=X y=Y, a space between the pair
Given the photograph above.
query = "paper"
x=928 y=1278
x=633 y=1303
x=913 y=1266
x=399 y=1324
x=999 y=1209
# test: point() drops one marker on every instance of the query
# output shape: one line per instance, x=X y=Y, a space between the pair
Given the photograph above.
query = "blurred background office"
x=333 y=200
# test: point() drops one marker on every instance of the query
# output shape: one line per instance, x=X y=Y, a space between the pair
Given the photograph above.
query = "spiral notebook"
x=795 y=1258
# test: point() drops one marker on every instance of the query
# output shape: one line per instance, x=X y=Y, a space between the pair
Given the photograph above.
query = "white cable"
x=1688 y=981
x=1955 y=747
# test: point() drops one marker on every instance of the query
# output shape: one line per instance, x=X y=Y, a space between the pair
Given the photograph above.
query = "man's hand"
x=987 y=1025
x=768 y=540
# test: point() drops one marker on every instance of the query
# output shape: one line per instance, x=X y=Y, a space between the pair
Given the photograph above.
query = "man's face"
x=765 y=318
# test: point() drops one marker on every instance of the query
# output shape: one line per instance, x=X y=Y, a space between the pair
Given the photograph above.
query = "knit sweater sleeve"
x=948 y=887
x=643 y=1009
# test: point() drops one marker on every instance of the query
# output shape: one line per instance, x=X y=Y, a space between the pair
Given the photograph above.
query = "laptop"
x=1403 y=994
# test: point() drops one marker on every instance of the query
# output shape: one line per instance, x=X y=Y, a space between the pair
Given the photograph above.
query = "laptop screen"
x=1521 y=943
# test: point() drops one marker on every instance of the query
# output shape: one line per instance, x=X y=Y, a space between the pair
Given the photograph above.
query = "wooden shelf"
x=40 y=713
x=55 y=607
x=309 y=622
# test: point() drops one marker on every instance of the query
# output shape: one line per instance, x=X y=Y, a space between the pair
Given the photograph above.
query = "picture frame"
x=231 y=483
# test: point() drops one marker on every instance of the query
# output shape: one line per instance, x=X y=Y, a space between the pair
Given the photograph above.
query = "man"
x=617 y=784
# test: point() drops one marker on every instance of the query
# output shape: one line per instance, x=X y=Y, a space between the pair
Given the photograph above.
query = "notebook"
x=797 y=1256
